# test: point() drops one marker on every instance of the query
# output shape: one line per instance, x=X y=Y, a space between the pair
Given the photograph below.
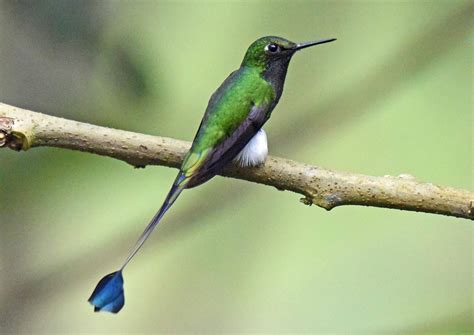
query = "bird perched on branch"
x=231 y=129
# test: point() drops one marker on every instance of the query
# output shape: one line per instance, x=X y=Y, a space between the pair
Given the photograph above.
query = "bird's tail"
x=178 y=186
x=108 y=295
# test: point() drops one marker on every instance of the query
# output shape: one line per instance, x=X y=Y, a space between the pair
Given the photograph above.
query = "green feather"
x=227 y=110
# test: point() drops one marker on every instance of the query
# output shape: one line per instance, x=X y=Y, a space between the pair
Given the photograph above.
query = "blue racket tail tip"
x=108 y=295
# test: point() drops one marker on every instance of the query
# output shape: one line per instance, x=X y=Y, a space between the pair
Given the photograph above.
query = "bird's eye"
x=272 y=48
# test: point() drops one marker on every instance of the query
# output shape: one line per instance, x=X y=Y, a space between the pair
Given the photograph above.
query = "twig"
x=22 y=129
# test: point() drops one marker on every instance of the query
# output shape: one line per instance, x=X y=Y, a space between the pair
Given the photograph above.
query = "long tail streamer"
x=109 y=295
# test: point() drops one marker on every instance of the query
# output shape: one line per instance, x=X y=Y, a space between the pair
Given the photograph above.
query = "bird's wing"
x=201 y=166
x=236 y=111
x=217 y=95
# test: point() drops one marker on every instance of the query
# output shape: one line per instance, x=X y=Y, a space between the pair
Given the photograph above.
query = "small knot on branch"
x=6 y=125
x=308 y=201
x=9 y=138
x=327 y=202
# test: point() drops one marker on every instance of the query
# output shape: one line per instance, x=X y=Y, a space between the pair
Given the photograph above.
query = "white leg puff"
x=255 y=152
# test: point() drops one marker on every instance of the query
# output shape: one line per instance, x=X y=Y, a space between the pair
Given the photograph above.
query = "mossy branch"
x=22 y=129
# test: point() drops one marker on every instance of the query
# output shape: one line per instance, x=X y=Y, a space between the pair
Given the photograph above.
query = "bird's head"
x=271 y=49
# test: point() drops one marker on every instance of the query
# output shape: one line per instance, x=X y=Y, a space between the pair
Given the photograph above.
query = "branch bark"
x=21 y=129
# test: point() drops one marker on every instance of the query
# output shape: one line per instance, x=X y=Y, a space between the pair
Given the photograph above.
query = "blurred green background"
x=393 y=95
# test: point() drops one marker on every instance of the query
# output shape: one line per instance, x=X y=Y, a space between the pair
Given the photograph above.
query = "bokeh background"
x=393 y=95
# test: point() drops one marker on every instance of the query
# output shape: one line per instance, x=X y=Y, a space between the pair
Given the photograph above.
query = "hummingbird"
x=231 y=130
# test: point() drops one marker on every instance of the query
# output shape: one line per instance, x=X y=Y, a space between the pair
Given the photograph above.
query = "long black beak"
x=300 y=46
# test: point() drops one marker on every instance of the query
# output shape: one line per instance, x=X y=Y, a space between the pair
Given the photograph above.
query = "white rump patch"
x=255 y=152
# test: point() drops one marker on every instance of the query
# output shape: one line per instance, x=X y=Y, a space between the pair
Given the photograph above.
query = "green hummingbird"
x=231 y=129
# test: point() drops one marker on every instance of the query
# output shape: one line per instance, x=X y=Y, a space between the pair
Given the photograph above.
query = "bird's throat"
x=275 y=74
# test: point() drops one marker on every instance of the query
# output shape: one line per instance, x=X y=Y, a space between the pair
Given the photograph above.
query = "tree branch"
x=22 y=129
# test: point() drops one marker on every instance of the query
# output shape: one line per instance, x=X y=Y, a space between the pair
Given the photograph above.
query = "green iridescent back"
x=227 y=109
